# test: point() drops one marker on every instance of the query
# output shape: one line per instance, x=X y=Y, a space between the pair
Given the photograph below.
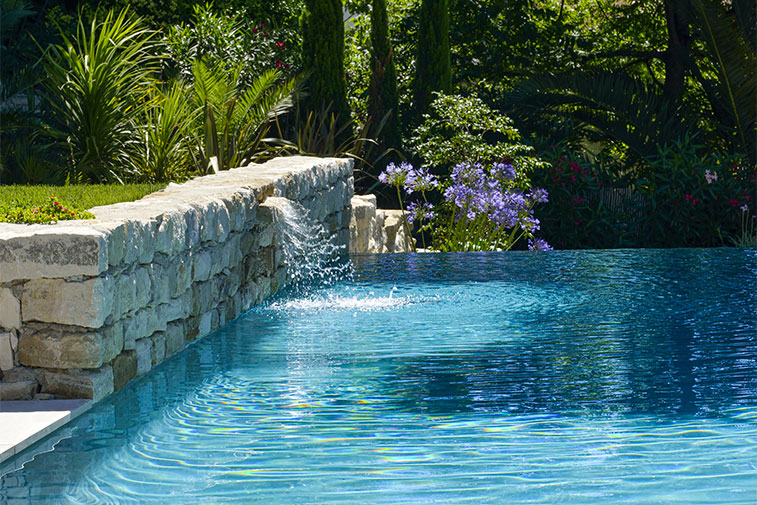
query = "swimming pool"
x=563 y=377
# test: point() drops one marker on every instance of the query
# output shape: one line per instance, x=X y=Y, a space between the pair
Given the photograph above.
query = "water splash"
x=312 y=256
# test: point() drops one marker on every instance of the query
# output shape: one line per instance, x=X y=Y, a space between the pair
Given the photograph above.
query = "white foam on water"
x=341 y=302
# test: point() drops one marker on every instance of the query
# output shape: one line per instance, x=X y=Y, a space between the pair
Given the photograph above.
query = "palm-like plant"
x=165 y=132
x=620 y=107
x=98 y=85
x=733 y=93
x=234 y=121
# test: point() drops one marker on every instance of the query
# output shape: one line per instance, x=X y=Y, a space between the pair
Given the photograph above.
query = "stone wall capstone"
x=86 y=306
x=374 y=230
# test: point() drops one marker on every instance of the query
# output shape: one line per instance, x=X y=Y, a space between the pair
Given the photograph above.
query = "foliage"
x=432 y=71
x=33 y=204
x=323 y=56
x=282 y=13
x=382 y=92
x=321 y=133
x=465 y=129
x=96 y=86
x=165 y=133
x=228 y=41
x=694 y=197
x=233 y=120
x=588 y=206
x=52 y=211
x=402 y=17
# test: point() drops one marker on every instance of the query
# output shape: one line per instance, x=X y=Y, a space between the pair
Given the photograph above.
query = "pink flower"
x=710 y=176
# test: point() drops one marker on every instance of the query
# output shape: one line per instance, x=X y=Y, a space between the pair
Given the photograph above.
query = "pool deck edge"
x=23 y=423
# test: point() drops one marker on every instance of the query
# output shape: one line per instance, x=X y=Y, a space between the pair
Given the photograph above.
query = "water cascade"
x=311 y=254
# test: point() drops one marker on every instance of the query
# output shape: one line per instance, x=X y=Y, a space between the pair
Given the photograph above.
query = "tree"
x=382 y=92
x=432 y=71
x=323 y=57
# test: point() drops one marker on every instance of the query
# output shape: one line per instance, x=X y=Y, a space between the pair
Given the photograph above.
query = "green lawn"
x=32 y=204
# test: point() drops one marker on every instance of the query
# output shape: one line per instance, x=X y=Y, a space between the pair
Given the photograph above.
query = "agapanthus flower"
x=419 y=212
x=395 y=175
x=420 y=179
x=539 y=244
x=539 y=195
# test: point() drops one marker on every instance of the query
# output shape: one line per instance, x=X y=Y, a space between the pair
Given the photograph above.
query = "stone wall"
x=375 y=230
x=87 y=306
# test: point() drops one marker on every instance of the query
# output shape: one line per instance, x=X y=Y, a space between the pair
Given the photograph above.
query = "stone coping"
x=88 y=247
x=23 y=423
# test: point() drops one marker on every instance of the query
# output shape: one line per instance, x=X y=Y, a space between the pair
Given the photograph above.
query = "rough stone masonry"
x=87 y=306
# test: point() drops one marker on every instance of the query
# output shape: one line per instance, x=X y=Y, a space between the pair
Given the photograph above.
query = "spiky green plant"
x=98 y=85
x=233 y=122
x=163 y=153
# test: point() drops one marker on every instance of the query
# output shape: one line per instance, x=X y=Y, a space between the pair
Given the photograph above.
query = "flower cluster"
x=488 y=209
x=487 y=190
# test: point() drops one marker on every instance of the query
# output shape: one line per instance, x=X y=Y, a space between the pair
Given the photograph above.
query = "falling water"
x=312 y=257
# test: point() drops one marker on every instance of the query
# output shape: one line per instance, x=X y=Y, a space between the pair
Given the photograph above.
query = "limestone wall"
x=87 y=306
x=374 y=230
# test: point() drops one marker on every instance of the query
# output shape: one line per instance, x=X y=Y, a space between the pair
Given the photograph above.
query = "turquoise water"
x=563 y=377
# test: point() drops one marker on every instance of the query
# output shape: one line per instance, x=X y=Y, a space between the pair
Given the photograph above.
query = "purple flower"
x=504 y=170
x=539 y=195
x=538 y=244
x=394 y=175
x=419 y=212
x=420 y=179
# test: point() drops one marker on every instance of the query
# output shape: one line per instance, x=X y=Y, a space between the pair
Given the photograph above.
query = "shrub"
x=694 y=197
x=97 y=84
x=233 y=121
x=229 y=41
x=586 y=210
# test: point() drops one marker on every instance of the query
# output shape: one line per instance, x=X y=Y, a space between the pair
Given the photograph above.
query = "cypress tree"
x=323 y=56
x=432 y=72
x=382 y=92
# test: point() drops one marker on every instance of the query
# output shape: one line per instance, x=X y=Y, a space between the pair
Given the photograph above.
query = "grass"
x=33 y=204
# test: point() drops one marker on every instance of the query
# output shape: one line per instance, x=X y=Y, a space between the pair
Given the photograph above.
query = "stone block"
x=116 y=242
x=6 y=352
x=10 y=310
x=143 y=350
x=86 y=303
x=202 y=264
x=125 y=299
x=175 y=338
x=124 y=369
x=158 y=347
x=36 y=251
x=144 y=286
x=23 y=390
x=160 y=282
x=91 y=384
x=74 y=348
x=171 y=232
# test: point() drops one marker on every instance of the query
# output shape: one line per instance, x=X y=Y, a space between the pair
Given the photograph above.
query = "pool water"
x=563 y=377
